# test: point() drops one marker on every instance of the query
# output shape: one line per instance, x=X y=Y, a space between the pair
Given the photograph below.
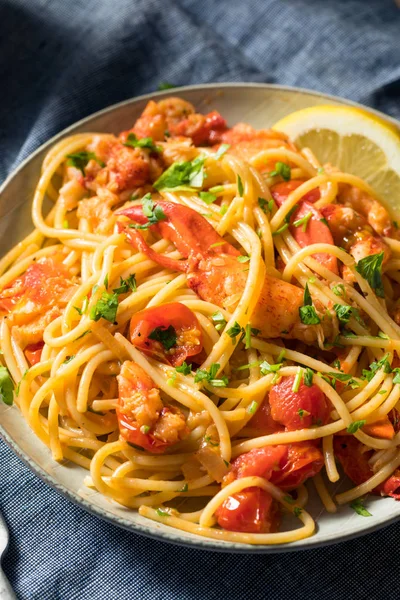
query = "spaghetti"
x=205 y=320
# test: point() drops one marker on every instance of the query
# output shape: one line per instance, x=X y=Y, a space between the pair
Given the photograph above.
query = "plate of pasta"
x=200 y=316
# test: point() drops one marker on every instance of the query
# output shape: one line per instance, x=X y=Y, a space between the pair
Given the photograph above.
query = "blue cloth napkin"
x=61 y=61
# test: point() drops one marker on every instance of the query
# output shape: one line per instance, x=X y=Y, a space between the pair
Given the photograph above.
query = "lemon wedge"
x=352 y=140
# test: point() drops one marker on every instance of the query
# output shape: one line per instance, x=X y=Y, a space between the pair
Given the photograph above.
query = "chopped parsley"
x=166 y=336
x=297 y=380
x=210 y=376
x=344 y=312
x=303 y=221
x=339 y=289
x=79 y=160
x=240 y=186
x=153 y=212
x=132 y=141
x=126 y=284
x=396 y=378
x=106 y=281
x=355 y=426
x=370 y=268
x=145 y=429
x=324 y=221
x=19 y=383
x=183 y=175
x=219 y=320
x=207 y=197
x=368 y=374
x=297 y=511
x=302 y=412
x=208 y=440
x=247 y=337
x=243 y=259
x=221 y=151
x=286 y=221
x=185 y=488
x=6 y=386
x=223 y=210
x=184 y=368
x=281 y=169
x=105 y=308
x=307 y=312
x=265 y=205
x=266 y=368
x=308 y=377
x=359 y=508
x=234 y=331
x=252 y=408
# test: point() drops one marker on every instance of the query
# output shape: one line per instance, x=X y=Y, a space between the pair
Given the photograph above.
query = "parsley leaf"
x=355 y=426
x=265 y=205
x=184 y=368
x=106 y=307
x=359 y=508
x=303 y=221
x=153 y=212
x=375 y=366
x=183 y=175
x=266 y=368
x=209 y=376
x=344 y=312
x=207 y=197
x=68 y=359
x=234 y=331
x=126 y=284
x=307 y=312
x=243 y=259
x=370 y=268
x=167 y=337
x=6 y=386
x=339 y=289
x=219 y=320
x=79 y=160
x=396 y=378
x=147 y=142
x=283 y=170
x=308 y=377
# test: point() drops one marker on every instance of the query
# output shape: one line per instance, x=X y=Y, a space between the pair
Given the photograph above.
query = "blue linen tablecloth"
x=61 y=61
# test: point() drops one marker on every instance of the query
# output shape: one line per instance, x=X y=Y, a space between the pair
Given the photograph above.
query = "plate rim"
x=169 y=534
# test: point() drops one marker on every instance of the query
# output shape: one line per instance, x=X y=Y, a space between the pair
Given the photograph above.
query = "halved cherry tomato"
x=251 y=511
x=298 y=410
x=33 y=353
x=262 y=422
x=143 y=419
x=185 y=326
x=304 y=461
x=354 y=457
x=260 y=462
x=391 y=487
x=315 y=230
x=381 y=429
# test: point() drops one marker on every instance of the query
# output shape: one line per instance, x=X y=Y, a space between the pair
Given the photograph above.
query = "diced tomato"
x=262 y=422
x=260 y=462
x=382 y=429
x=304 y=461
x=251 y=511
x=286 y=466
x=354 y=457
x=391 y=487
x=315 y=231
x=182 y=319
x=298 y=410
x=280 y=191
x=33 y=353
x=143 y=419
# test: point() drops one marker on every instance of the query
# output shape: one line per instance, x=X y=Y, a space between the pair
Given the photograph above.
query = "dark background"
x=62 y=60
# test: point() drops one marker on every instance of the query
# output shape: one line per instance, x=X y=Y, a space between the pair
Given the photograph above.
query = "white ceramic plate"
x=261 y=106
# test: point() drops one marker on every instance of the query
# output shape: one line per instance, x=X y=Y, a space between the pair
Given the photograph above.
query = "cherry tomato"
x=298 y=410
x=251 y=511
x=156 y=321
x=315 y=230
x=262 y=422
x=143 y=419
x=33 y=353
x=304 y=460
x=391 y=487
x=259 y=462
x=353 y=458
